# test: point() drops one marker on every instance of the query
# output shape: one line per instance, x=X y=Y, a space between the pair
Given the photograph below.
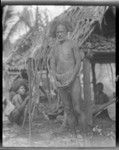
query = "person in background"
x=19 y=100
x=17 y=95
x=20 y=79
x=101 y=98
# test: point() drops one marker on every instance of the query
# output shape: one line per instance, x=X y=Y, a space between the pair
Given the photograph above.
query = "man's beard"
x=61 y=40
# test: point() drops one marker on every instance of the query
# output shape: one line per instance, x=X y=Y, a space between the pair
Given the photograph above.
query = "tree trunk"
x=87 y=90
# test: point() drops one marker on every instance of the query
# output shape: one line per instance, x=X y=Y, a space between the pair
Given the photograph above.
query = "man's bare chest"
x=64 y=52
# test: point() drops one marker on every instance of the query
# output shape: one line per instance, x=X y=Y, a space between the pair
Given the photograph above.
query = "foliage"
x=28 y=25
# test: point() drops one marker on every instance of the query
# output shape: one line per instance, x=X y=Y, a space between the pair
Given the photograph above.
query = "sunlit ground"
x=42 y=135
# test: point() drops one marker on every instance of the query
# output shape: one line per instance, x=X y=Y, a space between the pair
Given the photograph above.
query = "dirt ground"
x=42 y=135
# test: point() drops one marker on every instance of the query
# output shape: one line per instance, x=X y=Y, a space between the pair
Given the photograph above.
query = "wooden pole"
x=99 y=108
x=87 y=90
x=93 y=78
x=30 y=95
x=48 y=84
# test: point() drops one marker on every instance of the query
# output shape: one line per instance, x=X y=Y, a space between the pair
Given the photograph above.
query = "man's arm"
x=17 y=101
x=52 y=62
x=78 y=56
x=52 y=65
x=106 y=98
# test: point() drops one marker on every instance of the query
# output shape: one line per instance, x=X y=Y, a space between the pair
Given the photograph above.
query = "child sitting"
x=19 y=100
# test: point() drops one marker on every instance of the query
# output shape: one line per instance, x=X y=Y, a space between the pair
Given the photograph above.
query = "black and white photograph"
x=58 y=76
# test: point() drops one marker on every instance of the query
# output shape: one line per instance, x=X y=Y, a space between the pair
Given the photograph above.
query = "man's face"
x=21 y=90
x=61 y=33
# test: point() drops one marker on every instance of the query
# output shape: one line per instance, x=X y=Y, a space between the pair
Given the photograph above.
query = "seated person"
x=20 y=79
x=101 y=98
x=19 y=100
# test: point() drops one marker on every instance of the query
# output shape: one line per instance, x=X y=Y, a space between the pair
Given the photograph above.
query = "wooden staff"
x=29 y=63
x=97 y=110
x=87 y=89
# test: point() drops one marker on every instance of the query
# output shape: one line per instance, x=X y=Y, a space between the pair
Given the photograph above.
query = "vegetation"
x=28 y=26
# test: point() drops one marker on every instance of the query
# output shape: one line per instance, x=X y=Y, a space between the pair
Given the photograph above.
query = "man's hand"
x=27 y=99
x=71 y=79
x=57 y=83
x=64 y=77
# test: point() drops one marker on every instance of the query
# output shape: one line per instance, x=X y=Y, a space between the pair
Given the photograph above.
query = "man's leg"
x=77 y=102
x=69 y=117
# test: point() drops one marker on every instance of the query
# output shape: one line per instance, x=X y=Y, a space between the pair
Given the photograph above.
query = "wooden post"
x=87 y=89
x=30 y=94
x=48 y=84
x=93 y=78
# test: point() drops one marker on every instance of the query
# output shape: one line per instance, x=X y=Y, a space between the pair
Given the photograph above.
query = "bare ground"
x=42 y=135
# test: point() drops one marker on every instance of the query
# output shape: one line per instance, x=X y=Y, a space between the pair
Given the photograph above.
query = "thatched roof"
x=84 y=20
x=97 y=43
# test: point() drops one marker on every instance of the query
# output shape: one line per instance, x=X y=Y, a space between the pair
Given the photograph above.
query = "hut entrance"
x=101 y=66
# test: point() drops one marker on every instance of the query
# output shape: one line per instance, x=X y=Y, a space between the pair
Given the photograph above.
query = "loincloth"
x=67 y=79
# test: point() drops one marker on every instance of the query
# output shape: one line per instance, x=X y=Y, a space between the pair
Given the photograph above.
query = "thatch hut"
x=94 y=31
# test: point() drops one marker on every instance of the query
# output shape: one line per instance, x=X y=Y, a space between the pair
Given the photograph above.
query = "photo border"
x=68 y=2
x=60 y=2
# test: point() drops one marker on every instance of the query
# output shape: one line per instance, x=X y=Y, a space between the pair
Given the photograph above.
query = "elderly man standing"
x=65 y=62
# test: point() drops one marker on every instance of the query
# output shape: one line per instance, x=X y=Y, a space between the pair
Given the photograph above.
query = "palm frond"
x=22 y=14
x=11 y=23
x=35 y=33
x=83 y=20
x=27 y=17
